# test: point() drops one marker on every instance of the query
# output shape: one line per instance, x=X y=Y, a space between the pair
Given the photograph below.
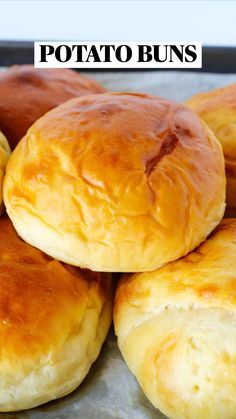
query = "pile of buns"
x=98 y=183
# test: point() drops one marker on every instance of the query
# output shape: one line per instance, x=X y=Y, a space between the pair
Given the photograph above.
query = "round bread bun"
x=176 y=329
x=116 y=182
x=27 y=93
x=218 y=109
x=53 y=321
x=4 y=155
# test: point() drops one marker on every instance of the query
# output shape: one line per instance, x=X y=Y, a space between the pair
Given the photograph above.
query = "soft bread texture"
x=218 y=109
x=116 y=182
x=27 y=93
x=53 y=321
x=4 y=155
x=176 y=329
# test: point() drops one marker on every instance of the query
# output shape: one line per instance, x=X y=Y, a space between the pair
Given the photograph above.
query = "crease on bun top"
x=116 y=182
x=27 y=93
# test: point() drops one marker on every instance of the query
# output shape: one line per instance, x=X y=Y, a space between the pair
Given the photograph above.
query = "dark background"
x=214 y=59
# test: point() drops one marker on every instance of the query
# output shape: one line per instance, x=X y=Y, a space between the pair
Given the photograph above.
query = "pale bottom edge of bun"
x=56 y=374
x=66 y=247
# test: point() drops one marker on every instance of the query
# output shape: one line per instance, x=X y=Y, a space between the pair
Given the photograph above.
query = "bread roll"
x=26 y=93
x=4 y=155
x=218 y=109
x=116 y=182
x=53 y=321
x=176 y=329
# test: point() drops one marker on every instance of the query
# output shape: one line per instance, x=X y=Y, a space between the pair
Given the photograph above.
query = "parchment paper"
x=110 y=391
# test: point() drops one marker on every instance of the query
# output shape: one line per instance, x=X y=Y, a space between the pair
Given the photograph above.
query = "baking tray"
x=109 y=390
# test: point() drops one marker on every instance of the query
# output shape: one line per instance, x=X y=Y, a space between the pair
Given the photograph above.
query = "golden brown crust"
x=27 y=93
x=130 y=182
x=218 y=109
x=45 y=308
x=39 y=295
x=176 y=329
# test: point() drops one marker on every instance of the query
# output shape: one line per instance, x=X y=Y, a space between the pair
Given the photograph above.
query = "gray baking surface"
x=110 y=391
